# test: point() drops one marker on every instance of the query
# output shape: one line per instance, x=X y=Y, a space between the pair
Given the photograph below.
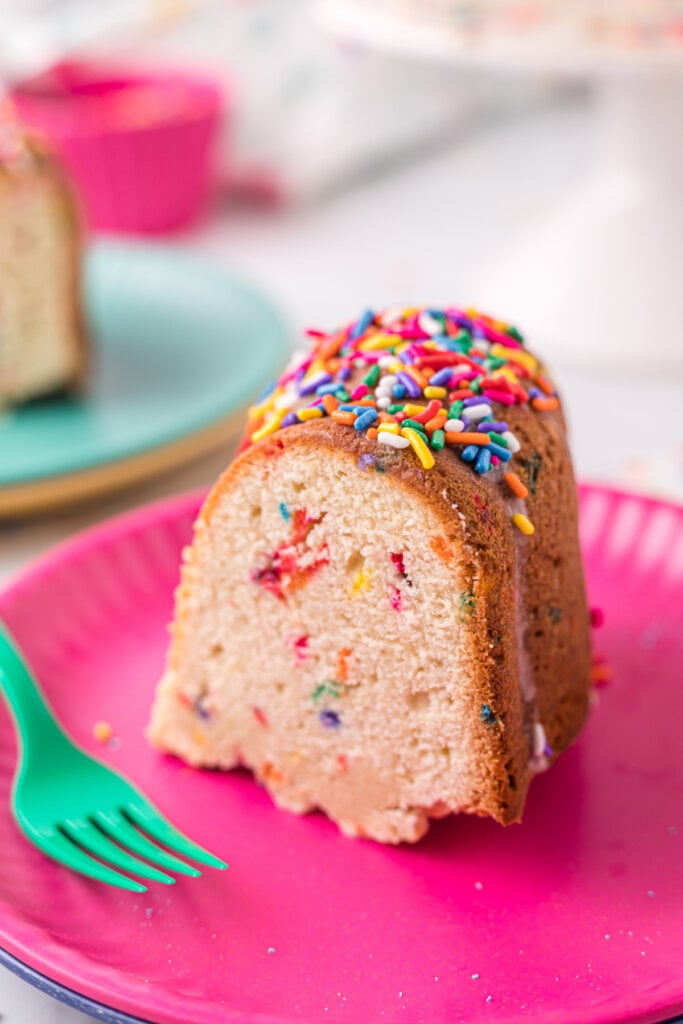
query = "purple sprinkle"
x=313 y=385
x=330 y=719
x=498 y=428
x=201 y=708
x=413 y=388
x=344 y=373
x=406 y=358
x=477 y=400
x=548 y=750
x=366 y=461
x=290 y=419
x=536 y=393
x=441 y=377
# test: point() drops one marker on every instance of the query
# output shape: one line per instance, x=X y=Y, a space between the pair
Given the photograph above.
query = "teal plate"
x=179 y=348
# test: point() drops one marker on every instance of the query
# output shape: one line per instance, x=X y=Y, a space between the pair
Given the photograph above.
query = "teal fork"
x=74 y=808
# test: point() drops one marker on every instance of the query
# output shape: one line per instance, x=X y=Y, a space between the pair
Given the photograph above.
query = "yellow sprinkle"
x=413 y=410
x=410 y=311
x=433 y=392
x=523 y=524
x=389 y=428
x=361 y=581
x=199 y=737
x=310 y=414
x=379 y=341
x=396 y=366
x=269 y=427
x=419 y=447
x=102 y=731
x=429 y=344
x=515 y=356
x=255 y=412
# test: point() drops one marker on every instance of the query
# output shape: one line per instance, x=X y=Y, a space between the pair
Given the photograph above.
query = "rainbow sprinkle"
x=417 y=381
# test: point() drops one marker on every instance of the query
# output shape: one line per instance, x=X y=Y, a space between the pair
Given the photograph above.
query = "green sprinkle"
x=330 y=687
x=533 y=468
x=555 y=614
x=514 y=333
x=467 y=603
x=415 y=426
x=475 y=386
x=456 y=409
x=396 y=407
x=498 y=438
x=495 y=362
x=342 y=395
x=372 y=377
x=438 y=440
x=463 y=337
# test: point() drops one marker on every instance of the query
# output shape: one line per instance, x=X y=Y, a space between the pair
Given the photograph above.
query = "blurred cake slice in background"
x=42 y=339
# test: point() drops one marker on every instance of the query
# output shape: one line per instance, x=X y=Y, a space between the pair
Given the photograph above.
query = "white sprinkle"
x=286 y=401
x=477 y=412
x=383 y=403
x=385 y=361
x=390 y=316
x=386 y=384
x=513 y=443
x=607 y=938
x=429 y=324
x=539 y=740
x=475 y=977
x=456 y=426
x=479 y=886
x=271 y=949
x=393 y=440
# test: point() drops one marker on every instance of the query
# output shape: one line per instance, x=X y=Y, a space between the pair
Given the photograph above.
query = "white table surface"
x=421 y=233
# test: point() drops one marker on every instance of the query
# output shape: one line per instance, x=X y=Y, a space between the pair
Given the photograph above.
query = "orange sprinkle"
x=544 y=384
x=417 y=376
x=385 y=417
x=342 y=764
x=367 y=401
x=347 y=419
x=463 y=437
x=441 y=548
x=260 y=717
x=102 y=731
x=330 y=348
x=516 y=486
x=372 y=433
x=343 y=663
x=330 y=403
x=437 y=422
x=269 y=773
x=545 y=404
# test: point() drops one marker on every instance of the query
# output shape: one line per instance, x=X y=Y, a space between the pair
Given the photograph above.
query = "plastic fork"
x=74 y=808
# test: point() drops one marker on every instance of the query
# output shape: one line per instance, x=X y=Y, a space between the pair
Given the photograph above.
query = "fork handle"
x=30 y=710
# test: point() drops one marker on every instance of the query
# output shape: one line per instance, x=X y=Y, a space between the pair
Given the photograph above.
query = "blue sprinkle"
x=290 y=419
x=330 y=719
x=486 y=714
x=398 y=391
x=365 y=419
x=329 y=389
x=361 y=324
x=497 y=449
x=441 y=377
x=411 y=386
x=284 y=512
x=268 y=390
x=358 y=409
x=470 y=453
x=482 y=463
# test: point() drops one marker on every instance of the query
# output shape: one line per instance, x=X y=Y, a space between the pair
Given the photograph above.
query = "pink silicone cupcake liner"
x=137 y=145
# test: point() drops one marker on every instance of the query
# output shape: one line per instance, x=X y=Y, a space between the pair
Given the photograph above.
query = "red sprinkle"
x=260 y=717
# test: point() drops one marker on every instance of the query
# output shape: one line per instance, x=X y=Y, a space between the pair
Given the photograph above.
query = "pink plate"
x=576 y=915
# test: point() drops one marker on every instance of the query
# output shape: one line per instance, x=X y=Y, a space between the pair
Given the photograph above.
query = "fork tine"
x=145 y=816
x=119 y=828
x=61 y=849
x=89 y=836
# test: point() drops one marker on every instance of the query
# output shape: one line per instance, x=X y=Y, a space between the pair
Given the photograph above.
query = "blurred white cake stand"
x=601 y=279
